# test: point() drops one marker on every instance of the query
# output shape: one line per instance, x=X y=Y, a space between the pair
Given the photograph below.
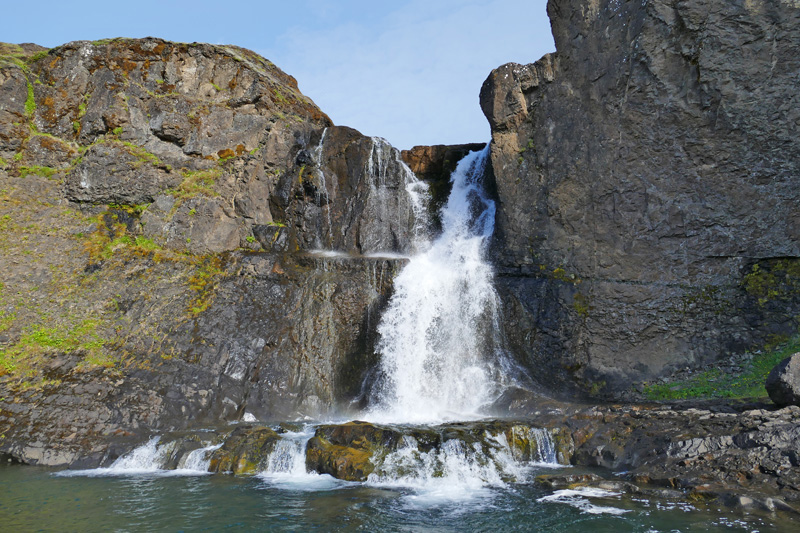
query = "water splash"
x=152 y=458
x=459 y=470
x=581 y=497
x=438 y=345
x=286 y=465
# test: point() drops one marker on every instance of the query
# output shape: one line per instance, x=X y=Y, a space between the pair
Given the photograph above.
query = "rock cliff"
x=647 y=176
x=161 y=208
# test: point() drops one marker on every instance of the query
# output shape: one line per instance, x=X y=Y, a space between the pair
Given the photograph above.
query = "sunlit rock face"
x=201 y=230
x=647 y=176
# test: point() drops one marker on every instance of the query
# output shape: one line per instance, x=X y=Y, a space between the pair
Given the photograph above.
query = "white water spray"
x=437 y=338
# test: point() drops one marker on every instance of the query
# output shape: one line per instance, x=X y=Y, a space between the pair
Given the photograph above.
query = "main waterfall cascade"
x=439 y=347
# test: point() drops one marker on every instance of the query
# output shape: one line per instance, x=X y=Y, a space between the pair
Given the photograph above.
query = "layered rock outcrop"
x=647 y=177
x=163 y=207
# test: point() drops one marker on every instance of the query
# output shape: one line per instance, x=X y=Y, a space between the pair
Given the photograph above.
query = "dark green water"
x=36 y=499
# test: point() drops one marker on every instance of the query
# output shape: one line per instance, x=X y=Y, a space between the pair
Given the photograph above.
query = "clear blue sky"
x=408 y=70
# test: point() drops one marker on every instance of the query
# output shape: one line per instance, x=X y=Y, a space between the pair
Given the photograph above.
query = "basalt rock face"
x=159 y=205
x=647 y=177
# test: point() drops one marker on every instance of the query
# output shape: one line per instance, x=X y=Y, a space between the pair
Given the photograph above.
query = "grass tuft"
x=715 y=383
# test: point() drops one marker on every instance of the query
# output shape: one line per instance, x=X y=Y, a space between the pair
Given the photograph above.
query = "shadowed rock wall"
x=647 y=175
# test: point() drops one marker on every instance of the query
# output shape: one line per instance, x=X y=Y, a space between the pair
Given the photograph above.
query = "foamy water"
x=438 y=336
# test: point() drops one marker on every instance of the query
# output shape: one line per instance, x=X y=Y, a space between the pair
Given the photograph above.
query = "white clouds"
x=413 y=75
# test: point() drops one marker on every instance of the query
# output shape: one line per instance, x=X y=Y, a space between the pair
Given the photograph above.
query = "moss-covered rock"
x=245 y=451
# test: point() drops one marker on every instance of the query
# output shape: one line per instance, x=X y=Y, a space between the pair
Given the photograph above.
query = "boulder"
x=783 y=382
x=245 y=451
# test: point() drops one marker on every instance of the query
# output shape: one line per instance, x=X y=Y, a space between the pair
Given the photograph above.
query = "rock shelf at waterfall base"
x=743 y=458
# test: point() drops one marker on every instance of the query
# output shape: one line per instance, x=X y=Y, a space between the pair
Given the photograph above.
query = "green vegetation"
x=196 y=183
x=203 y=282
x=76 y=124
x=581 y=305
x=37 y=170
x=30 y=102
x=118 y=131
x=14 y=54
x=250 y=239
x=773 y=281
x=21 y=359
x=101 y=246
x=134 y=209
x=38 y=55
x=714 y=383
x=559 y=274
x=141 y=154
x=279 y=97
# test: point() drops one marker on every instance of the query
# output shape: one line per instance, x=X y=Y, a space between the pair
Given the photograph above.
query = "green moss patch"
x=196 y=183
x=21 y=360
x=37 y=170
x=203 y=282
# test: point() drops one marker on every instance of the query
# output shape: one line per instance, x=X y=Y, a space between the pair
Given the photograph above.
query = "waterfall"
x=382 y=202
x=437 y=344
x=386 y=175
x=289 y=455
x=323 y=187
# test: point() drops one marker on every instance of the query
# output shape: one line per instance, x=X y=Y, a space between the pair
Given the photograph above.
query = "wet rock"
x=751 y=450
x=557 y=481
x=783 y=382
x=245 y=451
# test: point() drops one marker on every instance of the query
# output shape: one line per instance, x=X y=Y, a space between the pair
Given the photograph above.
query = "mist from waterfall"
x=439 y=357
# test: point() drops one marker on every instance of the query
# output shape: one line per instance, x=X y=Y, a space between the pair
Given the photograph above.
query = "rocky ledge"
x=738 y=455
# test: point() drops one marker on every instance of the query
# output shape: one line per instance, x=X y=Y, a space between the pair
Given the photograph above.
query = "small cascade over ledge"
x=365 y=199
x=439 y=338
